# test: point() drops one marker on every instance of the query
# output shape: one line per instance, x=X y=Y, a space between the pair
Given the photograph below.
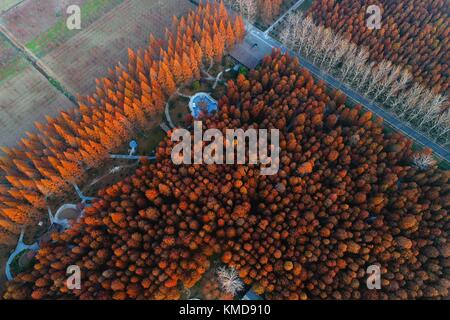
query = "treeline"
x=347 y=196
x=46 y=162
x=391 y=85
x=414 y=34
x=253 y=10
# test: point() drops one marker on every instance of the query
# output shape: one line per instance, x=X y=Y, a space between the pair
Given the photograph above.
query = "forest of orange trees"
x=47 y=162
x=402 y=64
x=347 y=195
x=414 y=34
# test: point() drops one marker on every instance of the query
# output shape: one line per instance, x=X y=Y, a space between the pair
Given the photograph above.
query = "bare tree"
x=335 y=52
x=318 y=42
x=348 y=61
x=329 y=43
x=307 y=37
x=423 y=161
x=408 y=100
x=388 y=82
x=229 y=280
x=360 y=61
x=380 y=74
x=428 y=108
x=440 y=128
x=248 y=8
x=286 y=37
x=338 y=54
x=380 y=71
x=290 y=35
x=397 y=86
x=366 y=71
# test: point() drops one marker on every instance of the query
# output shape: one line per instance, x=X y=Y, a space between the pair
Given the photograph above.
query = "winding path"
x=81 y=195
x=165 y=127
x=128 y=157
x=112 y=171
x=21 y=246
x=55 y=219
x=167 y=113
x=218 y=77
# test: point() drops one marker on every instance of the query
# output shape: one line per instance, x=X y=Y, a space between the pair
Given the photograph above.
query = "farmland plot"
x=89 y=54
x=8 y=4
x=41 y=25
x=11 y=62
x=25 y=98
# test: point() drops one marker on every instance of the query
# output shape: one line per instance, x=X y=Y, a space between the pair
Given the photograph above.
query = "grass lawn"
x=305 y=5
x=21 y=263
x=149 y=140
x=59 y=33
x=444 y=165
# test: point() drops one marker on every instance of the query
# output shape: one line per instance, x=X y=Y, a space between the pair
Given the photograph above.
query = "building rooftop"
x=251 y=51
x=202 y=101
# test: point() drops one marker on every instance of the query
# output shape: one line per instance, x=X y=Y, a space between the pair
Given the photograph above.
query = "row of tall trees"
x=389 y=84
x=47 y=161
x=414 y=34
x=252 y=10
x=346 y=196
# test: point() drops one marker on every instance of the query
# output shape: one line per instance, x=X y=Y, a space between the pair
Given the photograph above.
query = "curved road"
x=21 y=246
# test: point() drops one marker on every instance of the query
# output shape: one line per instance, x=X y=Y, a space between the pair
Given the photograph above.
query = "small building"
x=251 y=51
x=202 y=102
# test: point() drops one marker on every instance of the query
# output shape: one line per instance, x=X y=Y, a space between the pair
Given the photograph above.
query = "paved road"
x=388 y=117
x=291 y=9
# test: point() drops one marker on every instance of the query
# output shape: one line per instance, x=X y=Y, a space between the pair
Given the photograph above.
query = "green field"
x=59 y=33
